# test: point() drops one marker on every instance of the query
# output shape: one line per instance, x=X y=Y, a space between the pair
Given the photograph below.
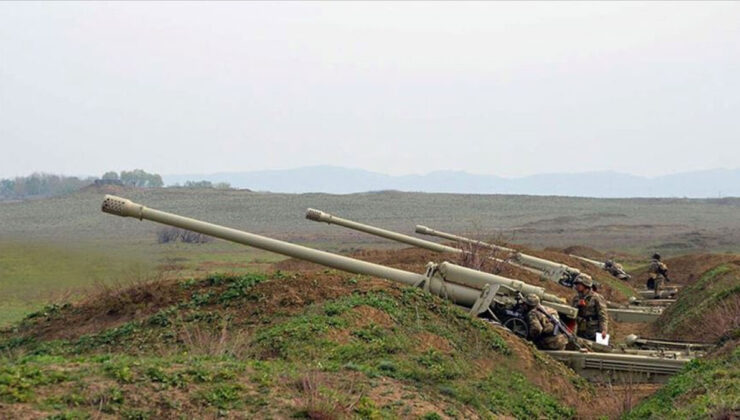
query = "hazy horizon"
x=505 y=89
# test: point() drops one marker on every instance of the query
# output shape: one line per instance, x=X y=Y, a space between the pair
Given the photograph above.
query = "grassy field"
x=304 y=343
x=672 y=225
x=57 y=247
x=34 y=273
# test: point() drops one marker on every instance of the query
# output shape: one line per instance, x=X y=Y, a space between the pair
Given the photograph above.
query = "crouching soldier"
x=592 y=316
x=616 y=270
x=543 y=322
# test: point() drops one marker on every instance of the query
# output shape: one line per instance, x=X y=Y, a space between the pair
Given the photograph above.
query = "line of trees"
x=135 y=178
x=41 y=185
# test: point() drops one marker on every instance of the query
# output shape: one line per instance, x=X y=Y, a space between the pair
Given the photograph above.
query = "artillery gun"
x=609 y=266
x=687 y=347
x=471 y=289
x=547 y=269
x=481 y=293
x=559 y=273
x=321 y=216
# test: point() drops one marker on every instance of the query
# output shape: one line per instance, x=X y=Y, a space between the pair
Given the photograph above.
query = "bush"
x=173 y=234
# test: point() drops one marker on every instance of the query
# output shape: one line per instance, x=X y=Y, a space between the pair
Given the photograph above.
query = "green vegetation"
x=224 y=346
x=34 y=274
x=40 y=185
x=707 y=388
x=138 y=178
x=637 y=225
x=706 y=309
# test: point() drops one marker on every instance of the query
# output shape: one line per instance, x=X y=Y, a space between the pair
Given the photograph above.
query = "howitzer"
x=559 y=273
x=465 y=287
x=688 y=347
x=321 y=216
x=609 y=266
x=445 y=279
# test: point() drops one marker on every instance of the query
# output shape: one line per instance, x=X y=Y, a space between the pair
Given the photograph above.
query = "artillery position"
x=485 y=295
x=548 y=270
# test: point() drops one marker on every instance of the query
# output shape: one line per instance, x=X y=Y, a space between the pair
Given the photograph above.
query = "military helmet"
x=532 y=299
x=609 y=263
x=656 y=256
x=585 y=280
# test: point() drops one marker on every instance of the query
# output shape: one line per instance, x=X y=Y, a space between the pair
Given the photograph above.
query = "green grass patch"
x=706 y=388
x=697 y=299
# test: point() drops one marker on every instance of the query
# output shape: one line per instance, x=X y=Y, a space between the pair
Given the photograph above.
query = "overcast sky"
x=509 y=89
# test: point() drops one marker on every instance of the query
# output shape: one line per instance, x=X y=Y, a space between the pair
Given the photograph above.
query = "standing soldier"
x=658 y=274
x=542 y=323
x=592 y=316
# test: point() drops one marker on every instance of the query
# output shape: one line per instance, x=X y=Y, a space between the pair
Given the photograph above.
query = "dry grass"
x=480 y=257
x=203 y=341
x=616 y=398
x=724 y=320
x=319 y=402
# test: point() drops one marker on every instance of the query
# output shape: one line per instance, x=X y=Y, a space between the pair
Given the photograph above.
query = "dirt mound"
x=111 y=308
x=708 y=306
x=108 y=308
x=316 y=342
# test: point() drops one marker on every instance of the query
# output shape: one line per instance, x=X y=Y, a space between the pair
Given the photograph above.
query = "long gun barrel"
x=479 y=244
x=461 y=285
x=557 y=272
x=599 y=264
x=321 y=216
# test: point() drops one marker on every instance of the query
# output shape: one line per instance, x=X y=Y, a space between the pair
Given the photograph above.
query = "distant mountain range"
x=337 y=180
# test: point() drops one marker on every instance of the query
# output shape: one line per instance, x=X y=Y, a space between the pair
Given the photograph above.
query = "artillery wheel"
x=517 y=326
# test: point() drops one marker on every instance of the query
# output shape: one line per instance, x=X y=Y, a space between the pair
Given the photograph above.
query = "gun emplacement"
x=463 y=286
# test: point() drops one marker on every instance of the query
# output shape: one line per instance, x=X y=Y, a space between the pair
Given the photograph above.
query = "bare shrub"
x=616 y=397
x=173 y=234
x=723 y=317
x=480 y=257
x=200 y=340
x=316 y=405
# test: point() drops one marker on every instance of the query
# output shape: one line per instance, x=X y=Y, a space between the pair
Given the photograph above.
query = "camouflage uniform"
x=658 y=271
x=616 y=270
x=543 y=332
x=592 y=316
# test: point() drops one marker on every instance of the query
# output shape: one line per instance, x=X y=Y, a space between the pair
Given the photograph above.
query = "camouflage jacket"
x=658 y=267
x=592 y=315
x=614 y=268
x=539 y=324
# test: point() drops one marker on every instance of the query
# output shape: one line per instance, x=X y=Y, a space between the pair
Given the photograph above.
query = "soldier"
x=545 y=333
x=658 y=274
x=616 y=270
x=592 y=316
